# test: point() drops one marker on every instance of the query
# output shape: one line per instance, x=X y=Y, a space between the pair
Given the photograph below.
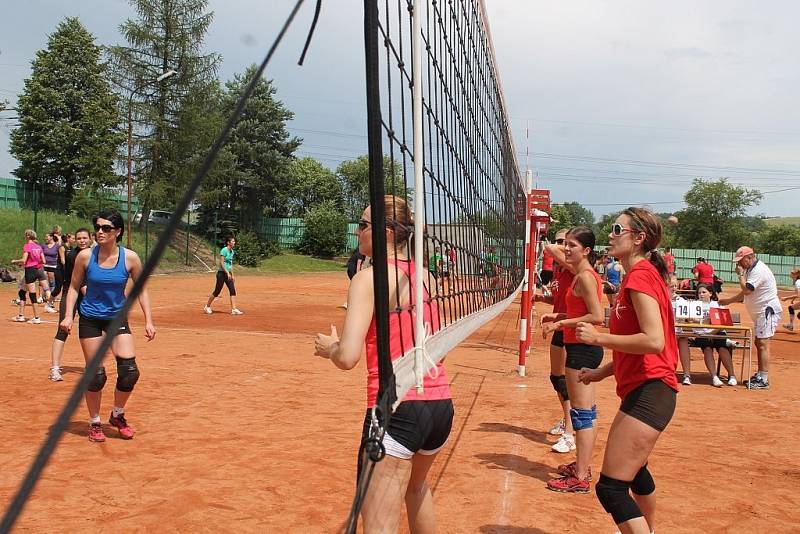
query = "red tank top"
x=562 y=278
x=401 y=340
x=576 y=306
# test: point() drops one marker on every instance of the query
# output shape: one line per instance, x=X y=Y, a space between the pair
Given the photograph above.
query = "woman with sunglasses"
x=225 y=276
x=420 y=426
x=645 y=360
x=106 y=269
x=582 y=299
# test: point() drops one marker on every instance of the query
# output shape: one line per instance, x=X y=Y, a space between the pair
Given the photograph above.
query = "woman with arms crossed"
x=641 y=335
x=106 y=269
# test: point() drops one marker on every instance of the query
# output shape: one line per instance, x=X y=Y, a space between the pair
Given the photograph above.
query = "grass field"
x=778 y=221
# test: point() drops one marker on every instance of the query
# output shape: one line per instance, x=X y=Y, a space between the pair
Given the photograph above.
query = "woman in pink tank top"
x=419 y=427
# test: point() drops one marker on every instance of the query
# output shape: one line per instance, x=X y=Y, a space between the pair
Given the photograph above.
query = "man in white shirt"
x=759 y=292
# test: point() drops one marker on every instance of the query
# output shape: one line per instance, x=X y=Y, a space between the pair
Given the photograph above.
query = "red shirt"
x=669 y=259
x=704 y=272
x=632 y=370
x=562 y=279
x=576 y=306
x=547 y=261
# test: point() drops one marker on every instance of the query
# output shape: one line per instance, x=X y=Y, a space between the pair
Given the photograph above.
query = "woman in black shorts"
x=645 y=359
x=583 y=305
x=33 y=262
x=106 y=269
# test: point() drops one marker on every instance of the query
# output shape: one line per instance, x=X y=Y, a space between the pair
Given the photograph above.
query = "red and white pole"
x=527 y=284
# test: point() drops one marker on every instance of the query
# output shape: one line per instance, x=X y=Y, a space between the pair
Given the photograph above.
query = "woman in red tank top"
x=641 y=334
x=420 y=426
x=583 y=305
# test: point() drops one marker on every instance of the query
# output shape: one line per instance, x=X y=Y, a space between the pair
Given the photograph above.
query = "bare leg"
x=685 y=355
x=419 y=501
x=727 y=360
x=382 y=503
x=233 y=303
x=56 y=352
x=711 y=363
x=762 y=348
x=558 y=358
x=123 y=347
x=211 y=298
x=647 y=504
x=93 y=398
x=582 y=397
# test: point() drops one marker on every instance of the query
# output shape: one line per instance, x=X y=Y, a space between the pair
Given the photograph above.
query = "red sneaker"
x=125 y=431
x=568 y=484
x=568 y=470
x=96 y=432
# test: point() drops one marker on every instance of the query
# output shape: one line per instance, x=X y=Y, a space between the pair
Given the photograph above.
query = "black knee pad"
x=21 y=293
x=98 y=381
x=127 y=374
x=791 y=310
x=32 y=295
x=613 y=494
x=560 y=385
x=643 y=483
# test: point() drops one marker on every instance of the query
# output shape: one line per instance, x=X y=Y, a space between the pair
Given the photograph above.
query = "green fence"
x=686 y=258
x=289 y=232
x=16 y=194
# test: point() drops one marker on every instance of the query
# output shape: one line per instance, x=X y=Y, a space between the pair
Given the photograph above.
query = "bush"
x=249 y=250
x=326 y=231
x=86 y=206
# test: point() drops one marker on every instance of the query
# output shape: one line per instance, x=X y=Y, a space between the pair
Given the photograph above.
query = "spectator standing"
x=794 y=297
x=759 y=292
x=703 y=273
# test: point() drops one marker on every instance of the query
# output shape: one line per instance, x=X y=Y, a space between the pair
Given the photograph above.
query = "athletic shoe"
x=208 y=310
x=15 y=302
x=732 y=381
x=49 y=309
x=96 y=432
x=35 y=320
x=757 y=383
x=687 y=380
x=564 y=444
x=55 y=374
x=237 y=311
x=716 y=382
x=125 y=431
x=568 y=470
x=789 y=327
x=40 y=300
x=20 y=318
x=568 y=484
x=558 y=428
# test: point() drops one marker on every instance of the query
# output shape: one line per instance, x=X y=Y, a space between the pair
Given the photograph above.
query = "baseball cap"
x=741 y=252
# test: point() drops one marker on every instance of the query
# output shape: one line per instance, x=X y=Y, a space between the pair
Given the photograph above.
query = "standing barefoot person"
x=106 y=269
x=641 y=334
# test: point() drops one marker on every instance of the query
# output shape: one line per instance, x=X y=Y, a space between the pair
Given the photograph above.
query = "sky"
x=612 y=102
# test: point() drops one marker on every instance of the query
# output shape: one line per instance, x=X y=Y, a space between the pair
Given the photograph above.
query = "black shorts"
x=31 y=275
x=652 y=403
x=707 y=343
x=610 y=289
x=88 y=327
x=418 y=425
x=580 y=355
x=545 y=277
x=558 y=339
x=50 y=269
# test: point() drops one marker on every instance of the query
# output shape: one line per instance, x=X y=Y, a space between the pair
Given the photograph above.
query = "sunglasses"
x=104 y=227
x=617 y=229
x=559 y=241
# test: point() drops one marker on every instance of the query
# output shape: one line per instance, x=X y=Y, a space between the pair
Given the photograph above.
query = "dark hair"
x=707 y=287
x=643 y=220
x=114 y=217
x=701 y=258
x=229 y=239
x=585 y=236
x=82 y=229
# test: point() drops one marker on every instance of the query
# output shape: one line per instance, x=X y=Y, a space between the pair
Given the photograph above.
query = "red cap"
x=741 y=252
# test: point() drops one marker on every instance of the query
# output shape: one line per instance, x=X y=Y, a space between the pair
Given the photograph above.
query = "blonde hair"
x=30 y=234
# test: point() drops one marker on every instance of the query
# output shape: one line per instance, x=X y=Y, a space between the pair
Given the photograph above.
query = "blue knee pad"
x=613 y=494
x=594 y=412
x=582 y=418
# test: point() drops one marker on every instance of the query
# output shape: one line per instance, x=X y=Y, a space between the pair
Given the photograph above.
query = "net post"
x=530 y=265
x=419 y=193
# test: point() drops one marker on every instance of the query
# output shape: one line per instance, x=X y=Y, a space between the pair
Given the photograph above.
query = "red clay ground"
x=241 y=428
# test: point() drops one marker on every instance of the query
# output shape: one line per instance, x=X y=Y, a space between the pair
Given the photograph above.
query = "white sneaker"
x=55 y=374
x=237 y=311
x=565 y=444
x=342 y=306
x=15 y=302
x=716 y=382
x=20 y=318
x=687 y=380
x=35 y=320
x=40 y=300
x=732 y=381
x=558 y=428
x=49 y=309
x=208 y=310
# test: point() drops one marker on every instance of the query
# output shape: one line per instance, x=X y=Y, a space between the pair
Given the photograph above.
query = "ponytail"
x=658 y=262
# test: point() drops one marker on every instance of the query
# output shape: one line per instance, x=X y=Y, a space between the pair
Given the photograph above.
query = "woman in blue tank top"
x=105 y=270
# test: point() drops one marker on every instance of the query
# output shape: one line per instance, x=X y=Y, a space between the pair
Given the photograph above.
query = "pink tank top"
x=401 y=340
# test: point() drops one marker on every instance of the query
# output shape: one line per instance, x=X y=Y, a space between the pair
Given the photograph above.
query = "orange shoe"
x=96 y=432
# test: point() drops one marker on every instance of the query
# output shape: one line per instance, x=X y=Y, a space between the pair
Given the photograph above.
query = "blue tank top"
x=105 y=288
x=612 y=275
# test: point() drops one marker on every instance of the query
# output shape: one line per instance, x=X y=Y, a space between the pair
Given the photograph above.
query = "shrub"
x=249 y=250
x=86 y=205
x=326 y=231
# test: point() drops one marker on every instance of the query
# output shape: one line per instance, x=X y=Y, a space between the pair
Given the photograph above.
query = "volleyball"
x=672 y=219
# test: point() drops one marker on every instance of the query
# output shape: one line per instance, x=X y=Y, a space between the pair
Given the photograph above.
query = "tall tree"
x=69 y=123
x=312 y=184
x=168 y=35
x=715 y=215
x=354 y=176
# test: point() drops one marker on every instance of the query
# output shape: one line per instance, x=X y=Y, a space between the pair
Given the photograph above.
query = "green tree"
x=354 y=176
x=312 y=184
x=326 y=231
x=69 y=123
x=714 y=217
x=783 y=240
x=168 y=35
x=603 y=227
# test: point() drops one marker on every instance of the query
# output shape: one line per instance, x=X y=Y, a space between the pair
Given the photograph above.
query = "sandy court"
x=240 y=428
